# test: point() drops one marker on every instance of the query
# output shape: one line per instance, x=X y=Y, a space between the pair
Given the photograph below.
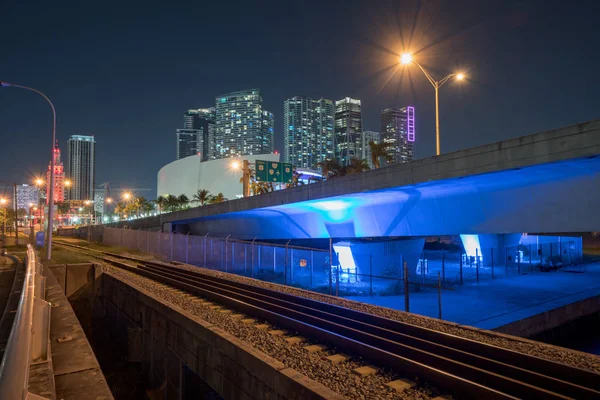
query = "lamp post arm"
x=429 y=77
x=445 y=79
x=51 y=191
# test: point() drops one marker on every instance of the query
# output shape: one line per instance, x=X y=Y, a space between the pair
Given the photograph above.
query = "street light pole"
x=407 y=59
x=51 y=194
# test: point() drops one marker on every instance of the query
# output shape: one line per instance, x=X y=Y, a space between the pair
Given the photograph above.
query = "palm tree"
x=161 y=202
x=356 y=166
x=331 y=168
x=379 y=151
x=202 y=196
x=219 y=198
x=171 y=202
x=183 y=201
x=120 y=208
x=141 y=204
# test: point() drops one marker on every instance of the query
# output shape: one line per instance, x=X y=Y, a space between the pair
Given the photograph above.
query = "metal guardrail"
x=28 y=342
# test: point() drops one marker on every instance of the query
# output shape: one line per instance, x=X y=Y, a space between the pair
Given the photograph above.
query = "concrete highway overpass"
x=544 y=182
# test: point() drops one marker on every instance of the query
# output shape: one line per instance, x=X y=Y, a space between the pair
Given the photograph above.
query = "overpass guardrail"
x=28 y=342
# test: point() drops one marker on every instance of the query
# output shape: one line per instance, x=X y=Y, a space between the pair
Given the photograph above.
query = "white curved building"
x=190 y=174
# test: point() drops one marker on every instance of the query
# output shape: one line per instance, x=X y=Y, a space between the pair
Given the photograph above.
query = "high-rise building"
x=308 y=139
x=59 y=178
x=325 y=123
x=348 y=128
x=242 y=126
x=298 y=120
x=81 y=167
x=197 y=135
x=366 y=137
x=27 y=194
x=398 y=129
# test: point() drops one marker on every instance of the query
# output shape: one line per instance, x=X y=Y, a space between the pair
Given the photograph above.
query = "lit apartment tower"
x=398 y=129
x=298 y=120
x=59 y=178
x=325 y=122
x=366 y=137
x=27 y=194
x=308 y=139
x=197 y=135
x=81 y=167
x=348 y=128
x=242 y=126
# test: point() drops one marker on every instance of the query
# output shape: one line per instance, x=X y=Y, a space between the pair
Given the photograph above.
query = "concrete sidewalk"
x=491 y=304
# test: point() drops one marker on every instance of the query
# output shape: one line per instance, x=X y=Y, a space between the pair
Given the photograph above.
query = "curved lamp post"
x=51 y=194
x=406 y=59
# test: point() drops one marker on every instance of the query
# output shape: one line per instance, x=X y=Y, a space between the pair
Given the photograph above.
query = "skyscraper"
x=348 y=128
x=242 y=126
x=366 y=137
x=81 y=167
x=398 y=129
x=59 y=178
x=308 y=126
x=325 y=122
x=268 y=132
x=197 y=135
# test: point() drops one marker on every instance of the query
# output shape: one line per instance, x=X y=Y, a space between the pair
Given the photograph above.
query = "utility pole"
x=16 y=216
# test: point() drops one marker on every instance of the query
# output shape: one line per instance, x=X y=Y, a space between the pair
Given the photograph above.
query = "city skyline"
x=123 y=103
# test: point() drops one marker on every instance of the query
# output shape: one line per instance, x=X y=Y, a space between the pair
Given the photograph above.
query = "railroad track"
x=467 y=368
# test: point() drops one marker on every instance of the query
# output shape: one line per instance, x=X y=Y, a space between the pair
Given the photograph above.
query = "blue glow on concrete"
x=345 y=259
x=472 y=246
x=330 y=210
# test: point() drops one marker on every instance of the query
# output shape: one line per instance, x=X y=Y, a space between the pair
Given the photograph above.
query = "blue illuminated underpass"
x=553 y=197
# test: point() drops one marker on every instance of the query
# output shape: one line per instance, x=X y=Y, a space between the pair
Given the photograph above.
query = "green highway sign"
x=269 y=171
x=261 y=170
x=286 y=172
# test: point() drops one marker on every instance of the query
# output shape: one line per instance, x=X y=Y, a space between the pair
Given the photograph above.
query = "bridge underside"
x=553 y=197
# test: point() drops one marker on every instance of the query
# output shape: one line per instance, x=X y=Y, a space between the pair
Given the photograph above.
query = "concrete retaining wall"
x=551 y=319
x=172 y=339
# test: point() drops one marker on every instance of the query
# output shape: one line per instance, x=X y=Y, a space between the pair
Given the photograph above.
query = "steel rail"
x=363 y=323
x=477 y=368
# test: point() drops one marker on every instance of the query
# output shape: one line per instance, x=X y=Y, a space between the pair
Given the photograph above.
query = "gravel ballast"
x=339 y=377
x=574 y=358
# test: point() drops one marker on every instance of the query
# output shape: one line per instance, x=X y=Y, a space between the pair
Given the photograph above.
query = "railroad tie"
x=225 y=311
x=277 y=332
x=365 y=371
x=295 y=340
x=401 y=385
x=249 y=321
x=338 y=358
x=314 y=348
x=237 y=316
x=262 y=327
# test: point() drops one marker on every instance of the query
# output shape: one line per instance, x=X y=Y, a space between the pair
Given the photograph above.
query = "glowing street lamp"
x=127 y=196
x=406 y=59
x=245 y=167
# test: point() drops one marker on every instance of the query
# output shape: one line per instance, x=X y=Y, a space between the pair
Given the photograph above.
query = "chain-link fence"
x=457 y=268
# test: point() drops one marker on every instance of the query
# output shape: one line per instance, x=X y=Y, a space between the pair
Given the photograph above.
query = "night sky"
x=127 y=71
